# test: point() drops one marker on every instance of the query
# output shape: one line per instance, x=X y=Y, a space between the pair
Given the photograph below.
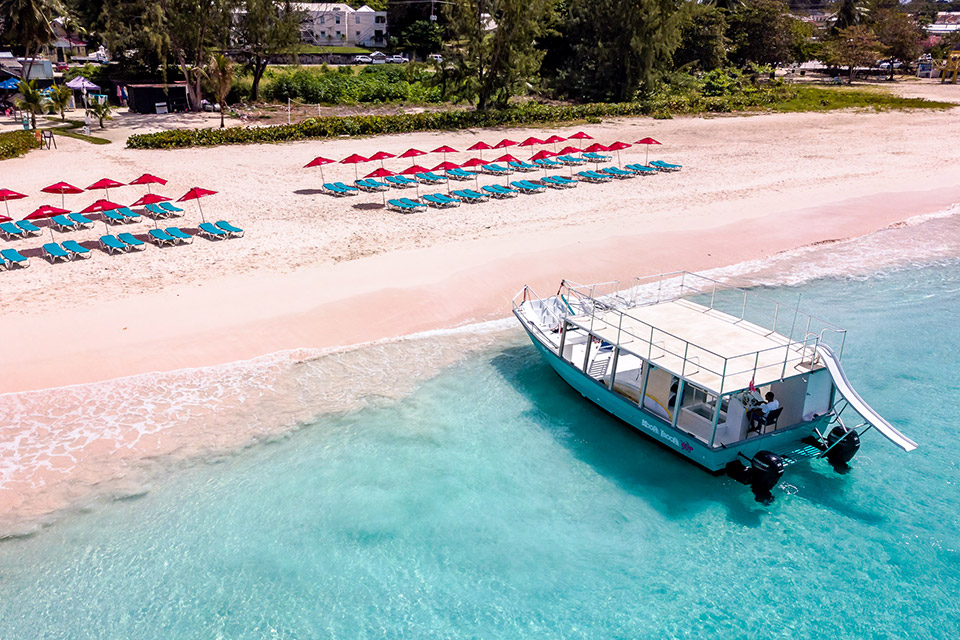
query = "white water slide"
x=853 y=398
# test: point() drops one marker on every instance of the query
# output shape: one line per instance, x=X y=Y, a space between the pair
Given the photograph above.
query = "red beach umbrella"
x=412 y=153
x=507 y=158
x=445 y=166
x=148 y=180
x=444 y=150
x=475 y=162
x=617 y=146
x=380 y=173
x=381 y=156
x=529 y=142
x=596 y=146
x=4 y=218
x=554 y=139
x=106 y=184
x=647 y=142
x=414 y=169
x=479 y=146
x=568 y=149
x=7 y=194
x=506 y=142
x=580 y=135
x=150 y=198
x=62 y=188
x=101 y=205
x=543 y=153
x=354 y=159
x=195 y=194
x=319 y=161
x=46 y=211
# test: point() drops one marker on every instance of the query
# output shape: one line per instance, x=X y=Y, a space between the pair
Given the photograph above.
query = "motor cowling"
x=766 y=469
x=842 y=444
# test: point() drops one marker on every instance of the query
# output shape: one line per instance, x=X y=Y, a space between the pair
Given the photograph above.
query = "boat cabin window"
x=697 y=409
x=660 y=396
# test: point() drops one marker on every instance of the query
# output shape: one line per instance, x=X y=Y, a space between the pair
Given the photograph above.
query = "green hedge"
x=17 y=143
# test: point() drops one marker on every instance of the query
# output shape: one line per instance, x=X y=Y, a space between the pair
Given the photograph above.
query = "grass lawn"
x=818 y=98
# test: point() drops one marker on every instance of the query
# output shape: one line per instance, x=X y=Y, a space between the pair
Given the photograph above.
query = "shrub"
x=16 y=143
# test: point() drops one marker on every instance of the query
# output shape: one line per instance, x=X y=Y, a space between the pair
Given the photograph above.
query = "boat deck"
x=716 y=351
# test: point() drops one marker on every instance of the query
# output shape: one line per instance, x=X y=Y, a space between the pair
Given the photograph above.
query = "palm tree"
x=33 y=102
x=59 y=98
x=27 y=22
x=101 y=111
x=220 y=73
x=850 y=13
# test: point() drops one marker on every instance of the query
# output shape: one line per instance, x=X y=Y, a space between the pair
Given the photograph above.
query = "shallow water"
x=490 y=502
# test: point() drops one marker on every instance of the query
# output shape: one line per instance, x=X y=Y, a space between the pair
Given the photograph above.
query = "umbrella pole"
x=647 y=159
x=63 y=204
x=6 y=203
x=201 y=210
x=321 y=174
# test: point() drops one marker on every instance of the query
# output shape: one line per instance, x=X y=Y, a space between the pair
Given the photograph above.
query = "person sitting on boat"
x=758 y=415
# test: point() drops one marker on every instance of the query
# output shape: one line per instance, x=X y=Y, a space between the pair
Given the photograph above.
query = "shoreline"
x=331 y=306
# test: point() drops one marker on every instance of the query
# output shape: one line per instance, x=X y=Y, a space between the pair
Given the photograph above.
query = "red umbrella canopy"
x=506 y=142
x=7 y=194
x=596 y=146
x=646 y=141
x=354 y=159
x=412 y=153
x=507 y=158
x=195 y=193
x=104 y=183
x=150 y=198
x=381 y=155
x=380 y=173
x=62 y=188
x=580 y=135
x=554 y=139
x=479 y=146
x=46 y=211
x=101 y=205
x=475 y=162
x=4 y=218
x=566 y=150
x=414 y=169
x=446 y=166
x=529 y=142
x=540 y=155
x=617 y=146
x=148 y=179
x=444 y=149
x=317 y=162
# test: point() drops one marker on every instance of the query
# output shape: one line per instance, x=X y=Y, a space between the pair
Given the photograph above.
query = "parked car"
x=397 y=59
x=436 y=57
x=885 y=64
x=378 y=57
x=362 y=60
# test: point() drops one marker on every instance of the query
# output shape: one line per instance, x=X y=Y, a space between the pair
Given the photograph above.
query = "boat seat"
x=771 y=420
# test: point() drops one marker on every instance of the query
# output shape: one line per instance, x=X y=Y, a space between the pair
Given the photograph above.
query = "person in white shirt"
x=758 y=415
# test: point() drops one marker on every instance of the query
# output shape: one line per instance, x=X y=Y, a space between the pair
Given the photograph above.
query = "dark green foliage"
x=761 y=31
x=17 y=143
x=422 y=38
x=380 y=83
x=703 y=41
x=262 y=28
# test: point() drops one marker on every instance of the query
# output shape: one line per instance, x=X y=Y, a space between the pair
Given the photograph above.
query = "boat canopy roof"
x=717 y=336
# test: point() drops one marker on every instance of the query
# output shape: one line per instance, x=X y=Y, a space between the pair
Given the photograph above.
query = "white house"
x=946 y=22
x=339 y=25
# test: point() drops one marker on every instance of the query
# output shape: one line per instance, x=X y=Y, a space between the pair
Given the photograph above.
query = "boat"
x=690 y=362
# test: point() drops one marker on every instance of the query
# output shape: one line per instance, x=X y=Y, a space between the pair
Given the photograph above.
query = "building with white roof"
x=336 y=24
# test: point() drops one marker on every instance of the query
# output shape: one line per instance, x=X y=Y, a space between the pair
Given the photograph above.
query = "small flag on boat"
x=752 y=386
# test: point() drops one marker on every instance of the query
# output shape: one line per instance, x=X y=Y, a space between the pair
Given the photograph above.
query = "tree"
x=101 y=110
x=33 y=102
x=494 y=54
x=264 y=27
x=28 y=24
x=192 y=28
x=854 y=47
x=899 y=34
x=616 y=47
x=422 y=38
x=59 y=98
x=850 y=13
x=220 y=73
x=761 y=31
x=703 y=42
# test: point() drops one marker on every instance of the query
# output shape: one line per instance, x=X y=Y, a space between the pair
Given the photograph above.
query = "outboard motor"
x=847 y=443
x=763 y=474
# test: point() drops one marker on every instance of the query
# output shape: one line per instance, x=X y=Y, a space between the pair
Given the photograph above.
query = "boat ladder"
x=799 y=453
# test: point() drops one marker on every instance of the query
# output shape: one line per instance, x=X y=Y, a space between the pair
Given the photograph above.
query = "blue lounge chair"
x=400 y=182
x=470 y=196
x=158 y=212
x=336 y=191
x=596 y=157
x=559 y=182
x=10 y=230
x=82 y=221
x=460 y=174
x=405 y=205
x=528 y=187
x=172 y=208
x=161 y=237
x=619 y=174
x=666 y=166
x=593 y=176
x=571 y=160
x=132 y=240
x=114 y=217
x=452 y=202
x=15 y=258
x=211 y=231
x=496 y=169
x=499 y=192
x=181 y=236
x=29 y=228
x=549 y=164
x=63 y=223
x=523 y=166
x=430 y=178
x=232 y=231
x=415 y=204
x=111 y=245
x=3 y=263
x=440 y=201
x=55 y=252
x=642 y=169
x=370 y=185
x=129 y=215
x=347 y=187
x=76 y=249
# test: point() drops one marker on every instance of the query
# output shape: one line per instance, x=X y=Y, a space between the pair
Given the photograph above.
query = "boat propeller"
x=763 y=474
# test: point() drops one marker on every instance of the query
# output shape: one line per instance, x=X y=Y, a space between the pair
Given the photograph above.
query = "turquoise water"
x=492 y=503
